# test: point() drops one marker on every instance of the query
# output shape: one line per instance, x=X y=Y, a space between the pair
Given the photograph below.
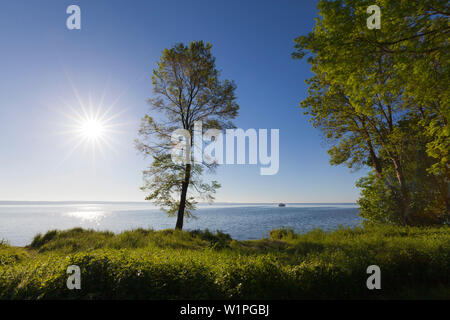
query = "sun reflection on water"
x=88 y=214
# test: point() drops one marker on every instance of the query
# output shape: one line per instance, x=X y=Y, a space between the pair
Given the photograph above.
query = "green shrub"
x=171 y=264
x=282 y=234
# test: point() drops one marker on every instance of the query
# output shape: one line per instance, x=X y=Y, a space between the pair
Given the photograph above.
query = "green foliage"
x=71 y=240
x=378 y=203
x=10 y=255
x=282 y=233
x=172 y=264
x=381 y=99
x=77 y=239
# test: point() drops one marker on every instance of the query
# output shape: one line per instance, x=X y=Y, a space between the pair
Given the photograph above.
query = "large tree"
x=187 y=89
x=381 y=98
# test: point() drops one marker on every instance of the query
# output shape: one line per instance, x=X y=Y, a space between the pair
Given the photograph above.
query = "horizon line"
x=144 y=201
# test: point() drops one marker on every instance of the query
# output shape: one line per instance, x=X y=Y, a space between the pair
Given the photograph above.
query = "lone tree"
x=187 y=89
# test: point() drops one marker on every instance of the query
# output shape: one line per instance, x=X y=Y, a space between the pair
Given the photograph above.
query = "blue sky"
x=114 y=53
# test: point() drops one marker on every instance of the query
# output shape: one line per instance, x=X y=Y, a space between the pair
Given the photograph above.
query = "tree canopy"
x=381 y=98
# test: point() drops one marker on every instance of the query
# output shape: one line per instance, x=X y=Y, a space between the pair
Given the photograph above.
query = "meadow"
x=170 y=264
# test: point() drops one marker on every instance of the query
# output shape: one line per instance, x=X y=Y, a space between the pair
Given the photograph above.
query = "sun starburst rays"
x=91 y=128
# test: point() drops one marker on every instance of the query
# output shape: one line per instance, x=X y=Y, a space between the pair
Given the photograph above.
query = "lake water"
x=21 y=221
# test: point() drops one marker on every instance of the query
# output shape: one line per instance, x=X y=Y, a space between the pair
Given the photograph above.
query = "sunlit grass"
x=170 y=264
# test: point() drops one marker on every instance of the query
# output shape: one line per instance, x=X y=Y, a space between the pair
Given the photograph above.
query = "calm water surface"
x=20 y=221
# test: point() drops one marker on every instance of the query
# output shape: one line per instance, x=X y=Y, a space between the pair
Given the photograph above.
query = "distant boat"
x=281 y=205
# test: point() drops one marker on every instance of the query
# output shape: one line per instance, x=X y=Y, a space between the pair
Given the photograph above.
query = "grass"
x=169 y=264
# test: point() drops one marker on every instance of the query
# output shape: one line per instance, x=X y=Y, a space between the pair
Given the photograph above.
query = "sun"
x=92 y=129
x=91 y=125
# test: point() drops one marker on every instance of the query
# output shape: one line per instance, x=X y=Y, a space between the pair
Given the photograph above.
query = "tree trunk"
x=184 y=188
x=375 y=160
x=404 y=191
